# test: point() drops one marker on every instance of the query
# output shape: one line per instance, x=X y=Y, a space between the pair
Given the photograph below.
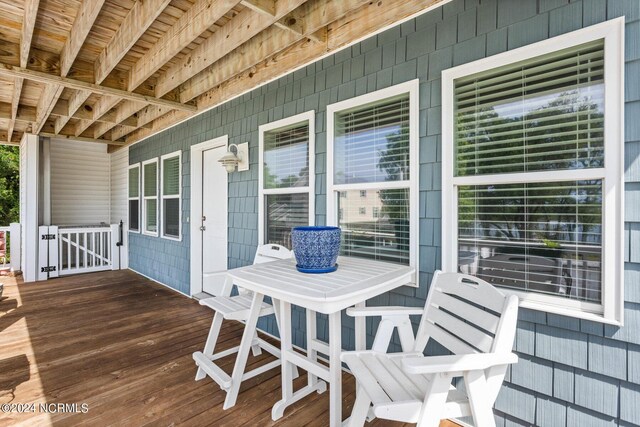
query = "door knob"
x=202 y=228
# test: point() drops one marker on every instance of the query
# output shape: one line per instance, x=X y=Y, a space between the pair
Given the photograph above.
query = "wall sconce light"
x=236 y=155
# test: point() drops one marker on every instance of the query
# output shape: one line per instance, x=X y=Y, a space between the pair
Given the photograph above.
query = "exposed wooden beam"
x=123 y=113
x=77 y=99
x=133 y=26
x=47 y=101
x=28 y=24
x=318 y=14
x=89 y=10
x=11 y=71
x=355 y=25
x=267 y=7
x=79 y=138
x=103 y=106
x=200 y=17
x=237 y=31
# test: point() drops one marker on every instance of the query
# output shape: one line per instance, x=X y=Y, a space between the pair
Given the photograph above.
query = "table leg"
x=335 y=370
x=312 y=353
x=361 y=329
x=286 y=368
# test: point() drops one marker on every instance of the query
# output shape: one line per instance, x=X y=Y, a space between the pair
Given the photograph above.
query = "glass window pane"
x=134 y=182
x=372 y=143
x=542 y=237
x=283 y=212
x=286 y=157
x=171 y=217
x=171 y=176
x=375 y=226
x=150 y=179
x=151 y=206
x=134 y=215
x=542 y=114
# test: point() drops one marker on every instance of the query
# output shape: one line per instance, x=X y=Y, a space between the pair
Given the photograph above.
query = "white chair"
x=469 y=317
x=237 y=308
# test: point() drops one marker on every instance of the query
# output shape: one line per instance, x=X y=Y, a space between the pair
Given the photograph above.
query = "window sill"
x=150 y=234
x=175 y=239
x=575 y=313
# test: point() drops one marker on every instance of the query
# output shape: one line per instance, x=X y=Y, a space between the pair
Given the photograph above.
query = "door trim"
x=196 y=206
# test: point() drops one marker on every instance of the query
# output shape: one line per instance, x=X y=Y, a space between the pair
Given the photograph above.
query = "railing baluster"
x=77 y=251
x=93 y=244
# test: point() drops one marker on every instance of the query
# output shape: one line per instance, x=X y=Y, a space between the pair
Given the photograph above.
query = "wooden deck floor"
x=122 y=345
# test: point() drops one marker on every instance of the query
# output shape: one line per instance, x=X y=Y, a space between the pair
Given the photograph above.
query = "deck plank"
x=122 y=344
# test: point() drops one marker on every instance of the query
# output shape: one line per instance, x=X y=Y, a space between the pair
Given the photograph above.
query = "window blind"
x=371 y=143
x=134 y=182
x=151 y=209
x=150 y=179
x=538 y=237
x=382 y=231
x=283 y=212
x=171 y=176
x=546 y=113
x=171 y=217
x=286 y=157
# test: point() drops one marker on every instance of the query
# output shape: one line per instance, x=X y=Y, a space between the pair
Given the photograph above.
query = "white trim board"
x=333 y=52
x=164 y=196
x=195 y=206
x=310 y=189
x=611 y=311
x=412 y=88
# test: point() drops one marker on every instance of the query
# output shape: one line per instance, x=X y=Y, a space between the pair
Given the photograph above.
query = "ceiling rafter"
x=28 y=25
x=353 y=26
x=82 y=24
x=237 y=31
x=134 y=25
x=261 y=47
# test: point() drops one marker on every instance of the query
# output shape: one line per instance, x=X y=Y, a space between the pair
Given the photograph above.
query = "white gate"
x=67 y=250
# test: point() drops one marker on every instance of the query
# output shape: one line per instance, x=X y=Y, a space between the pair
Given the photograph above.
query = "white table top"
x=356 y=280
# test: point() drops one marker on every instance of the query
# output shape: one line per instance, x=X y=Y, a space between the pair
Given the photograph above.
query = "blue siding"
x=572 y=372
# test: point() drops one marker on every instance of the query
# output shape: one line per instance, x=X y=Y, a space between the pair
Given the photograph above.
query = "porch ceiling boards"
x=116 y=71
x=122 y=344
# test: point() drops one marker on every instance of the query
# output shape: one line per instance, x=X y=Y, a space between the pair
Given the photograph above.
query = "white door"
x=213 y=219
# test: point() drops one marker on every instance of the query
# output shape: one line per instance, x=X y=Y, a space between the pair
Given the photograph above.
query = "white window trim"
x=178 y=196
x=309 y=117
x=611 y=310
x=412 y=88
x=145 y=198
x=137 y=165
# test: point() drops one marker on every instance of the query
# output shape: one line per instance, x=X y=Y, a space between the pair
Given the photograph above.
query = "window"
x=150 y=197
x=532 y=172
x=171 y=200
x=375 y=212
x=134 y=198
x=373 y=164
x=286 y=178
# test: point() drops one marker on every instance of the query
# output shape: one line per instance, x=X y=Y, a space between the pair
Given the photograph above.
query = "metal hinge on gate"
x=48 y=269
x=48 y=237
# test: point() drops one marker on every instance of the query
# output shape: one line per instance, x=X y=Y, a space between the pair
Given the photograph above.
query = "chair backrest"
x=466 y=315
x=271 y=252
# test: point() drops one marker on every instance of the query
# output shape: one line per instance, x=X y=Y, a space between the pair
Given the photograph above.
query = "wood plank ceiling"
x=116 y=71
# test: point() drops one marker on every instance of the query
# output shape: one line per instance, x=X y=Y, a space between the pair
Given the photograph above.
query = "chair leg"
x=434 y=401
x=360 y=409
x=243 y=351
x=480 y=406
x=210 y=345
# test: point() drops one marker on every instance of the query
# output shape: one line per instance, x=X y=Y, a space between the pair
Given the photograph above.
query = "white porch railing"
x=10 y=246
x=75 y=250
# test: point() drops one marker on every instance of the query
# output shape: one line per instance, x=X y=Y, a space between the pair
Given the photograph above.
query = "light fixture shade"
x=230 y=159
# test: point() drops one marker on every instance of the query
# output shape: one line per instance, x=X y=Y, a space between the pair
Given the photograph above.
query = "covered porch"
x=128 y=358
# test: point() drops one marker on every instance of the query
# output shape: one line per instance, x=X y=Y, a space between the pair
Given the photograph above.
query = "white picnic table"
x=355 y=281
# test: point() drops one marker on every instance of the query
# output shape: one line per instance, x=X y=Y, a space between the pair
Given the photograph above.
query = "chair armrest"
x=384 y=311
x=456 y=363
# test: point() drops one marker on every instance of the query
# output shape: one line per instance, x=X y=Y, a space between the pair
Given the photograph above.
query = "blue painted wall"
x=571 y=372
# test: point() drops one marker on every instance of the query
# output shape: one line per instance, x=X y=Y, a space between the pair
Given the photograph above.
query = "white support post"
x=54 y=260
x=15 y=250
x=43 y=252
x=115 y=249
